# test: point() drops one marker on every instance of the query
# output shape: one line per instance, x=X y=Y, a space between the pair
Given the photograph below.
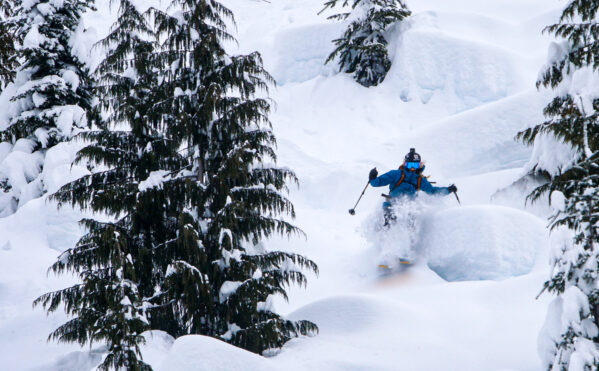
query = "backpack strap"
x=418 y=183
x=403 y=176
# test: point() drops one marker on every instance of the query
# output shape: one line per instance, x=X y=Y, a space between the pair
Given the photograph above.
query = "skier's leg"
x=412 y=222
x=388 y=214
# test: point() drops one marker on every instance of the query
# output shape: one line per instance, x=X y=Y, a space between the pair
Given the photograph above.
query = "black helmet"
x=412 y=156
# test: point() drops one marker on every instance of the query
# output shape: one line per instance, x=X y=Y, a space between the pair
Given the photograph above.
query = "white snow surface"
x=461 y=87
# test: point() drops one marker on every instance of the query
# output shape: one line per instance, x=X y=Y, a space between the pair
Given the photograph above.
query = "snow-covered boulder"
x=482 y=242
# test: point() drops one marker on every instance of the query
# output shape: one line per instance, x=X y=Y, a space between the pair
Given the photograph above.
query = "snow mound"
x=430 y=63
x=482 y=242
x=482 y=137
x=333 y=314
x=303 y=51
x=197 y=353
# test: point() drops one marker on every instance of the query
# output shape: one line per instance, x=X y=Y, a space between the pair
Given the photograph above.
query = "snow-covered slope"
x=461 y=86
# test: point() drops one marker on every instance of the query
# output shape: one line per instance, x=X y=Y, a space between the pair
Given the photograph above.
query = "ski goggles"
x=412 y=165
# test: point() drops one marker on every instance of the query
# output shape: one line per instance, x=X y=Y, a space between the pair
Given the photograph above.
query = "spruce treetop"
x=362 y=50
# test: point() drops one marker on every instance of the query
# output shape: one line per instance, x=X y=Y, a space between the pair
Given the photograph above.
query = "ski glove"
x=452 y=188
x=373 y=174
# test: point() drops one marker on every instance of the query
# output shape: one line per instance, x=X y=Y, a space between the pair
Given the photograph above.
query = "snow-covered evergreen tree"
x=572 y=119
x=576 y=266
x=219 y=280
x=190 y=191
x=362 y=50
x=579 y=51
x=8 y=55
x=52 y=98
x=115 y=260
x=578 y=25
x=106 y=305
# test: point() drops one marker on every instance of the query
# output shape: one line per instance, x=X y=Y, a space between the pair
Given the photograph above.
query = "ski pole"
x=353 y=210
x=456 y=197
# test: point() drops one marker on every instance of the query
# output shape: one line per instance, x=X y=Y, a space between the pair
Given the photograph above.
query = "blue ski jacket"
x=409 y=184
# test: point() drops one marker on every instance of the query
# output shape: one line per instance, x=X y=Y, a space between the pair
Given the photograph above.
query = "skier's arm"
x=427 y=187
x=383 y=180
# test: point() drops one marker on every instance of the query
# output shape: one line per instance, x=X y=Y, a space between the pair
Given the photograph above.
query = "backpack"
x=403 y=176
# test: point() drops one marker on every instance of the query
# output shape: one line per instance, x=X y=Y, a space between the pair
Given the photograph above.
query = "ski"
x=400 y=266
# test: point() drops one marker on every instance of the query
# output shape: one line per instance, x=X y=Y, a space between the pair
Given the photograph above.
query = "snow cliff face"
x=460 y=88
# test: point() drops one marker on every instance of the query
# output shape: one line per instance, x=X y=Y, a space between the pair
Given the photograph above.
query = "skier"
x=405 y=182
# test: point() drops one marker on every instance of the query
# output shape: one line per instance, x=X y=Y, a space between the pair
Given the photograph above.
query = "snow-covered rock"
x=482 y=242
